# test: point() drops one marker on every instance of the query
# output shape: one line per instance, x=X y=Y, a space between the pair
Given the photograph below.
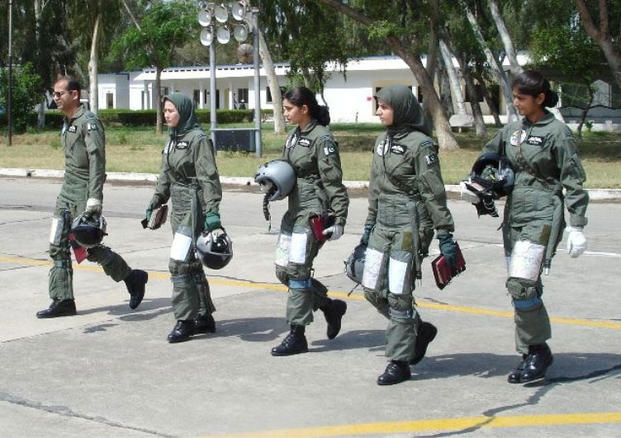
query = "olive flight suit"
x=314 y=155
x=189 y=177
x=407 y=201
x=545 y=160
x=83 y=142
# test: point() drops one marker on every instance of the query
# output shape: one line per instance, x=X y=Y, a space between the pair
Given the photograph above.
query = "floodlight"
x=207 y=36
x=240 y=32
x=223 y=35
x=221 y=13
x=238 y=10
x=204 y=19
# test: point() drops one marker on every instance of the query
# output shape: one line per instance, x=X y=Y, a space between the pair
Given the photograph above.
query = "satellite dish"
x=204 y=19
x=240 y=32
x=223 y=35
x=238 y=10
x=207 y=36
x=221 y=13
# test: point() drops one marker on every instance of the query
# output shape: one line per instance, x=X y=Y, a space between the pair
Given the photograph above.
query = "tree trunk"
x=272 y=80
x=601 y=36
x=43 y=105
x=501 y=77
x=506 y=38
x=457 y=95
x=158 y=98
x=586 y=110
x=432 y=57
x=93 y=67
x=491 y=104
x=472 y=94
x=446 y=139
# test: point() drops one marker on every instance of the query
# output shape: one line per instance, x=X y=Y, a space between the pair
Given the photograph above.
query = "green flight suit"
x=545 y=159
x=407 y=201
x=83 y=141
x=319 y=188
x=189 y=177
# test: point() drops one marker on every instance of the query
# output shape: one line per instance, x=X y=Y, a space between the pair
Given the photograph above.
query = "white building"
x=349 y=95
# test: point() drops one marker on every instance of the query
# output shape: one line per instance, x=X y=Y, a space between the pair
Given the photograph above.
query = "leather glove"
x=576 y=241
x=212 y=221
x=448 y=248
x=334 y=232
x=366 y=233
x=93 y=207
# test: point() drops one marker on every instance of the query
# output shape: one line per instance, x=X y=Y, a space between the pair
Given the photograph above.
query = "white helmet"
x=354 y=265
x=276 y=178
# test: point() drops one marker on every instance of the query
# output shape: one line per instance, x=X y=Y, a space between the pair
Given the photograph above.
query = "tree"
x=24 y=96
x=601 y=35
x=402 y=37
x=163 y=28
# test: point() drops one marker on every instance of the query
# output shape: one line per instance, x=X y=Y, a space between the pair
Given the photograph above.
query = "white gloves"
x=335 y=230
x=93 y=206
x=576 y=242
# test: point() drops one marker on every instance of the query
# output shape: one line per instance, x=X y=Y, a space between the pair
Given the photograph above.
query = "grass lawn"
x=138 y=150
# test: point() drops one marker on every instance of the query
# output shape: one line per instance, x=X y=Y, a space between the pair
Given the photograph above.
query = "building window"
x=241 y=99
x=268 y=97
x=109 y=100
x=197 y=97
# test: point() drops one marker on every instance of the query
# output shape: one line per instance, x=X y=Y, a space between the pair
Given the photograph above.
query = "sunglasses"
x=58 y=94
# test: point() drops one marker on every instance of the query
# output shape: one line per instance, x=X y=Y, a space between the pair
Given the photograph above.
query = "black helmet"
x=89 y=230
x=276 y=178
x=214 y=249
x=494 y=173
x=354 y=265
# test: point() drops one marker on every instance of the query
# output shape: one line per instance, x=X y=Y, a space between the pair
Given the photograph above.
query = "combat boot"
x=181 y=332
x=515 y=375
x=204 y=324
x=538 y=360
x=334 y=311
x=397 y=371
x=58 y=308
x=135 y=282
x=294 y=343
x=426 y=333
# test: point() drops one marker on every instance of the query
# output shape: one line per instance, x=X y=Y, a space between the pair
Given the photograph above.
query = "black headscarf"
x=408 y=114
x=187 y=117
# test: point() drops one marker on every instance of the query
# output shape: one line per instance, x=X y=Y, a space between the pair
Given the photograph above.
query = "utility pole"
x=10 y=93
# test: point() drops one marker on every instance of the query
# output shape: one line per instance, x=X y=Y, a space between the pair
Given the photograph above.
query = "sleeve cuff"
x=577 y=221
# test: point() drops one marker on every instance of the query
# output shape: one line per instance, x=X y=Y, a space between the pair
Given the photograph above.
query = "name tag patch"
x=397 y=149
x=72 y=128
x=535 y=140
x=182 y=145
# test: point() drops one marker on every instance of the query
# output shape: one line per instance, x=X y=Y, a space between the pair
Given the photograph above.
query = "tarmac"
x=109 y=372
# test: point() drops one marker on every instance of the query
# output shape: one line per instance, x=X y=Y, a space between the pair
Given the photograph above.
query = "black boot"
x=58 y=308
x=514 y=376
x=135 y=283
x=334 y=311
x=294 y=343
x=426 y=333
x=397 y=371
x=538 y=360
x=181 y=332
x=204 y=324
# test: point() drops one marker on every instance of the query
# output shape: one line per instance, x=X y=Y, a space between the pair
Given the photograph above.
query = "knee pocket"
x=175 y=267
x=400 y=302
x=524 y=293
x=281 y=274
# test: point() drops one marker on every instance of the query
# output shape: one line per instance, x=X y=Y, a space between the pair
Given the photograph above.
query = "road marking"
x=336 y=294
x=446 y=424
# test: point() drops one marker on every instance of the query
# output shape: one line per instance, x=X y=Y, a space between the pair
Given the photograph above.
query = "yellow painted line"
x=336 y=294
x=437 y=425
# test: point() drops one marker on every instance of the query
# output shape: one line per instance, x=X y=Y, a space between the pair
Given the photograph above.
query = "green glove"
x=448 y=249
x=212 y=221
x=148 y=213
x=366 y=233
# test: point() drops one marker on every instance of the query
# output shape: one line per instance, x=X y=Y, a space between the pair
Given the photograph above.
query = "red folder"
x=442 y=272
x=79 y=251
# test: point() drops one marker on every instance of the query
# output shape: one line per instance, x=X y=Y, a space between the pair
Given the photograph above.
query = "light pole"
x=216 y=20
x=9 y=101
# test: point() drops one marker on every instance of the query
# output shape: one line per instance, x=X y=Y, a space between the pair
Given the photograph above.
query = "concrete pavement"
x=109 y=372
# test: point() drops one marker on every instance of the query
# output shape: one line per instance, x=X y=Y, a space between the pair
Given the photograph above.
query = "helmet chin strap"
x=266 y=207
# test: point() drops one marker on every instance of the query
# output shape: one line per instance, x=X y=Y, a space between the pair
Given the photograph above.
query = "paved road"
x=109 y=372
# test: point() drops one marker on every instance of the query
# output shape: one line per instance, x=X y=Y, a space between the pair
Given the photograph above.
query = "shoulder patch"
x=431 y=158
x=91 y=126
x=426 y=143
